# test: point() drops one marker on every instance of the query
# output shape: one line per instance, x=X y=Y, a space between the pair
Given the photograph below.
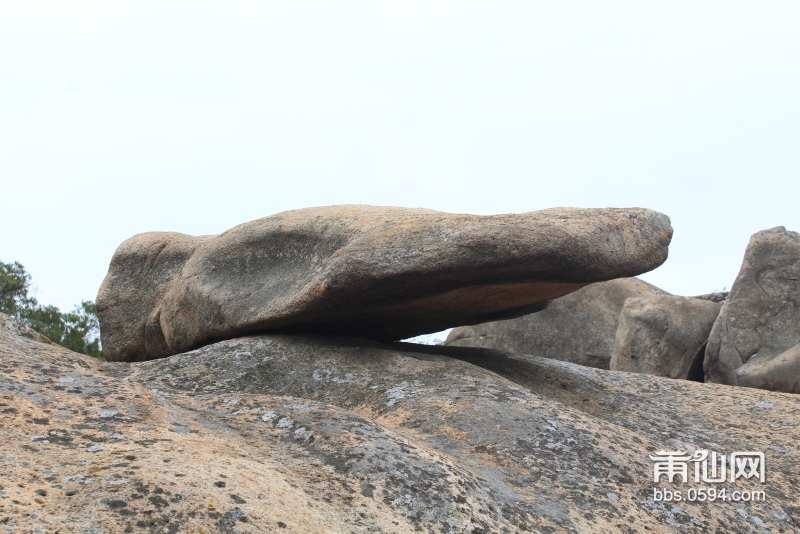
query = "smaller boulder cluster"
x=749 y=337
x=577 y=328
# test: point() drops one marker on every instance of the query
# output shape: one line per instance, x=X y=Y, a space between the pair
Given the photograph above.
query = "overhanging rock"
x=372 y=272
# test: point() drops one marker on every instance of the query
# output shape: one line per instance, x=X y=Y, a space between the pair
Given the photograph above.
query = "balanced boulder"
x=760 y=320
x=664 y=335
x=372 y=272
x=578 y=328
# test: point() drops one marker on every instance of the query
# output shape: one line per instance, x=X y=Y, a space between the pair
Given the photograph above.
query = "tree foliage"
x=14 y=285
x=78 y=330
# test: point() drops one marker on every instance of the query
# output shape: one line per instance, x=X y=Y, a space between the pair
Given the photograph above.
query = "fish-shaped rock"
x=381 y=273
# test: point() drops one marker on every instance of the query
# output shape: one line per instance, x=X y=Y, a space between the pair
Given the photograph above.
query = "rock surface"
x=760 y=320
x=278 y=433
x=781 y=373
x=578 y=328
x=664 y=335
x=17 y=329
x=378 y=273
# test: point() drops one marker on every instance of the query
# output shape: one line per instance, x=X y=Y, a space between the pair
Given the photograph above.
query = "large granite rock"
x=780 y=373
x=379 y=273
x=279 y=433
x=760 y=320
x=578 y=328
x=664 y=335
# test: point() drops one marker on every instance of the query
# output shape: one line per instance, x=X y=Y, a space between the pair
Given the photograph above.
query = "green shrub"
x=78 y=330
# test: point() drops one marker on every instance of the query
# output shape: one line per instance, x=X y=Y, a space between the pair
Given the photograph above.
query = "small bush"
x=78 y=330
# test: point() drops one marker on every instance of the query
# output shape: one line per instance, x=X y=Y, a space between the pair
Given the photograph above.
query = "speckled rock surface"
x=664 y=335
x=17 y=329
x=760 y=320
x=371 y=272
x=578 y=328
x=300 y=434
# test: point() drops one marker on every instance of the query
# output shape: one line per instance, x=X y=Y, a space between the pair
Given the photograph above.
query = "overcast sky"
x=125 y=117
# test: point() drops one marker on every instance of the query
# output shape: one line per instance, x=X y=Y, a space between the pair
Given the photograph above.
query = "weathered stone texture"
x=664 y=336
x=327 y=435
x=578 y=328
x=779 y=373
x=760 y=320
x=380 y=273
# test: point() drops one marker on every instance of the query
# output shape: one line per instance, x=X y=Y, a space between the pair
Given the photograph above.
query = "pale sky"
x=125 y=117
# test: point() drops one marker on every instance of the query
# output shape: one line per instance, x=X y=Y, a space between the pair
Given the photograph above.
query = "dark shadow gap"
x=696 y=373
